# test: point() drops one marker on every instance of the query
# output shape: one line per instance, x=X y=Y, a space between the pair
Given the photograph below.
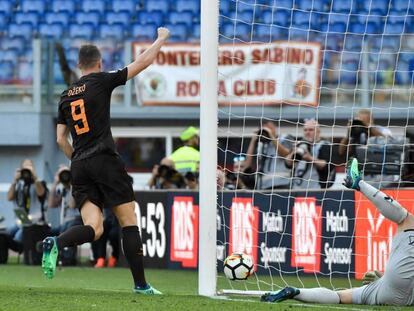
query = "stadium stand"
x=329 y=22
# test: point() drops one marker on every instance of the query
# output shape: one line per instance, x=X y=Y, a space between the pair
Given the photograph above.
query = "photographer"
x=359 y=130
x=28 y=193
x=271 y=151
x=310 y=160
x=164 y=176
x=61 y=197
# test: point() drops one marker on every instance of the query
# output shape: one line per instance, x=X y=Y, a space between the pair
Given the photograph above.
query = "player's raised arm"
x=148 y=56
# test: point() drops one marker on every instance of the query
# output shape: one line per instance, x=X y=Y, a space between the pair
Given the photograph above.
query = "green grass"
x=81 y=288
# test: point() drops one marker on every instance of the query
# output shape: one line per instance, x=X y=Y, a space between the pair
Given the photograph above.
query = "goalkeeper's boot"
x=49 y=258
x=146 y=290
x=283 y=294
x=353 y=177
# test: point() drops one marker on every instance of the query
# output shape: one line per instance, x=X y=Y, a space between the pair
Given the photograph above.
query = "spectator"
x=61 y=197
x=310 y=160
x=241 y=176
x=271 y=151
x=187 y=158
x=164 y=176
x=359 y=130
x=28 y=194
x=111 y=234
x=191 y=180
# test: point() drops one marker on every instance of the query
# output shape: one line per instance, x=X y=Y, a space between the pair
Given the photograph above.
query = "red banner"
x=307 y=233
x=184 y=232
x=374 y=233
x=244 y=225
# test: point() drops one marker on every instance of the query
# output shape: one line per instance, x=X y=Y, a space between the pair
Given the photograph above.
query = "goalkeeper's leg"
x=386 y=205
x=310 y=295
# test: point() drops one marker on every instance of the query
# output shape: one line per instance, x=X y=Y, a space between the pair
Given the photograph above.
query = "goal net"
x=303 y=86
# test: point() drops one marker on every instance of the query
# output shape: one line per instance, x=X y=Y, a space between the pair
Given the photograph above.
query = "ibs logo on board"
x=307 y=231
x=184 y=232
x=244 y=225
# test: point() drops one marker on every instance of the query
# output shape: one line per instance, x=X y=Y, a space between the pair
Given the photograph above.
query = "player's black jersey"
x=85 y=108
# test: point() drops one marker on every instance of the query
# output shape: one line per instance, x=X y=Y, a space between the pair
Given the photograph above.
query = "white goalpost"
x=207 y=273
x=271 y=70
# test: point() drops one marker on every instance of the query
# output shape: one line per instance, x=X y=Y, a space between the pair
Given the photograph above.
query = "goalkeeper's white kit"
x=396 y=287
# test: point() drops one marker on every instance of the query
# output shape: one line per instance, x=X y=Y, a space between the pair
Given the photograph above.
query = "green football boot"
x=353 y=176
x=147 y=290
x=49 y=258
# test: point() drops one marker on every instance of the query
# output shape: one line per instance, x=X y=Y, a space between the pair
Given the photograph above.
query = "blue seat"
x=262 y=33
x=299 y=34
x=394 y=29
x=31 y=18
x=6 y=6
x=402 y=6
x=306 y=20
x=396 y=19
x=115 y=31
x=124 y=6
x=353 y=42
x=6 y=72
x=344 y=6
x=178 y=32
x=118 y=18
x=155 y=17
x=335 y=28
x=158 y=5
x=188 y=5
x=368 y=28
x=380 y=6
x=403 y=75
x=93 y=5
x=144 y=32
x=64 y=6
x=181 y=18
x=13 y=43
x=51 y=30
x=315 y=5
x=242 y=6
x=280 y=17
x=38 y=6
x=244 y=16
x=239 y=32
x=285 y=4
x=25 y=72
x=60 y=17
x=196 y=31
x=21 y=30
x=225 y=7
x=89 y=17
x=349 y=72
x=4 y=20
x=84 y=31
x=334 y=18
x=372 y=17
x=10 y=55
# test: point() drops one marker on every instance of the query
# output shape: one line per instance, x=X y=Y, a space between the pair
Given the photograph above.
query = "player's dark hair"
x=88 y=56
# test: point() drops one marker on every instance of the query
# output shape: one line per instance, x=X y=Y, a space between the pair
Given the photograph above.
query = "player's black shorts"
x=101 y=179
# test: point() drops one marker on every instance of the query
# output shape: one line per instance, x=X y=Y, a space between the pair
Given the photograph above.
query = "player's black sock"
x=132 y=245
x=76 y=235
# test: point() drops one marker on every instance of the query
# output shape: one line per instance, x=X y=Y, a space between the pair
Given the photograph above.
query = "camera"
x=301 y=148
x=26 y=175
x=358 y=131
x=171 y=175
x=263 y=135
x=65 y=177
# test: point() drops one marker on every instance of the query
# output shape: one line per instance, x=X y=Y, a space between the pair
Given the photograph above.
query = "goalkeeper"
x=396 y=286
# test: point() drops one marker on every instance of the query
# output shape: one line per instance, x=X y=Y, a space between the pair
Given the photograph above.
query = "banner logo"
x=244 y=224
x=307 y=229
x=184 y=232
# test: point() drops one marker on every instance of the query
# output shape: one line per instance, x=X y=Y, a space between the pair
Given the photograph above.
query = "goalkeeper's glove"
x=371 y=276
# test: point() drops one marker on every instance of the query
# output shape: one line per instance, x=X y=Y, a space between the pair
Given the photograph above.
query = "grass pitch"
x=82 y=288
